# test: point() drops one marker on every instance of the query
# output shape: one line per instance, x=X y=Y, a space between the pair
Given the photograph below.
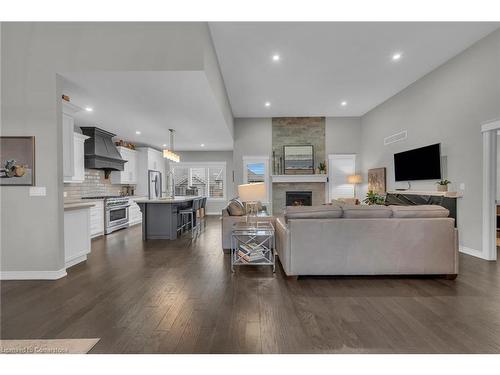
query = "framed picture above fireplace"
x=298 y=159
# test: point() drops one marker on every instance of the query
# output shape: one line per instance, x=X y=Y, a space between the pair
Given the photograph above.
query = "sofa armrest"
x=283 y=244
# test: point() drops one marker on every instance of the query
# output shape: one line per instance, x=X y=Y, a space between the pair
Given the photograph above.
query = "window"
x=181 y=179
x=208 y=178
x=216 y=182
x=199 y=180
x=255 y=169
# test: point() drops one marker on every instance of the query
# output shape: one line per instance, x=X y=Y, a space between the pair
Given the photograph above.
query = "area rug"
x=55 y=346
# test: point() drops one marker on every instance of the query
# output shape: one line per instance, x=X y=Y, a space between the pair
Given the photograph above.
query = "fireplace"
x=299 y=198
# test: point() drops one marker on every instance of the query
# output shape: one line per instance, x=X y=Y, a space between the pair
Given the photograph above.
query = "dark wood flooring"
x=180 y=297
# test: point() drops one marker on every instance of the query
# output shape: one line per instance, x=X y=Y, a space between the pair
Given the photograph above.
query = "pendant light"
x=169 y=153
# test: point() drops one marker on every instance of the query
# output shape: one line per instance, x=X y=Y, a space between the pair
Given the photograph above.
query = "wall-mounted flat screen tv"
x=422 y=163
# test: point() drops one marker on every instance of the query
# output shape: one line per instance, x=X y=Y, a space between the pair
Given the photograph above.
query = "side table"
x=253 y=244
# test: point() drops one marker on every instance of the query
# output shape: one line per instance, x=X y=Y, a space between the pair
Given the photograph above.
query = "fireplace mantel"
x=288 y=178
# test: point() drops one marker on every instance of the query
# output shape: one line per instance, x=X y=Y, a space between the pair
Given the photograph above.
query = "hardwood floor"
x=180 y=297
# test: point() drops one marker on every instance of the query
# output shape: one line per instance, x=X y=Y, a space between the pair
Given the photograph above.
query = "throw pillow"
x=235 y=208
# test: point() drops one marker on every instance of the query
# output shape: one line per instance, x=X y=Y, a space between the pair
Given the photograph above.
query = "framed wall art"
x=17 y=161
x=376 y=180
x=298 y=159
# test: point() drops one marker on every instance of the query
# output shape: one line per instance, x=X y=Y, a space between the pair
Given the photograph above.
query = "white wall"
x=252 y=137
x=214 y=207
x=32 y=55
x=343 y=135
x=447 y=106
x=498 y=168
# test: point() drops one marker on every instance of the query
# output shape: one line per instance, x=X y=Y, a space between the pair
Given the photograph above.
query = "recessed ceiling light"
x=267 y=104
x=89 y=109
x=343 y=104
x=396 y=56
x=276 y=57
x=202 y=145
x=164 y=145
x=137 y=132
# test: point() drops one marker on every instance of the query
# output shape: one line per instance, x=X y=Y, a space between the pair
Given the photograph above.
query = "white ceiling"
x=323 y=64
x=151 y=102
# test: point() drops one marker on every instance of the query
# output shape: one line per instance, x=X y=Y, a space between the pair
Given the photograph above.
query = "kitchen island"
x=160 y=217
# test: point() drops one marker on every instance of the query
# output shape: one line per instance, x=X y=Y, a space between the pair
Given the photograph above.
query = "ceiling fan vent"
x=402 y=135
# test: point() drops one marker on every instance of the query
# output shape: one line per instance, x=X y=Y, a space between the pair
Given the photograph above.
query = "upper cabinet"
x=68 y=128
x=73 y=147
x=156 y=162
x=148 y=159
x=129 y=173
x=78 y=162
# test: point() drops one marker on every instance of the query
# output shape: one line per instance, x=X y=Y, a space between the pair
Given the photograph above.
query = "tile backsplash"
x=94 y=185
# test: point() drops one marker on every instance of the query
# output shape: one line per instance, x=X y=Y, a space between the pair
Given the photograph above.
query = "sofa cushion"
x=425 y=210
x=367 y=212
x=235 y=208
x=345 y=202
x=313 y=212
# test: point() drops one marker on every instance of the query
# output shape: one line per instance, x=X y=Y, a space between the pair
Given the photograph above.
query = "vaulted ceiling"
x=321 y=65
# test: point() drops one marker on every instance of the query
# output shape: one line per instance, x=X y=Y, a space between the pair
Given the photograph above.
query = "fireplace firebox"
x=299 y=198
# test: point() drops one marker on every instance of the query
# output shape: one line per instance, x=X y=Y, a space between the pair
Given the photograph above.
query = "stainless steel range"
x=115 y=212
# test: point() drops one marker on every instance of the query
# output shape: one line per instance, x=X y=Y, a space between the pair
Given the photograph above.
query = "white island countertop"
x=179 y=199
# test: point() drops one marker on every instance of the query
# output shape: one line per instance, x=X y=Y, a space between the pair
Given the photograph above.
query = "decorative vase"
x=442 y=187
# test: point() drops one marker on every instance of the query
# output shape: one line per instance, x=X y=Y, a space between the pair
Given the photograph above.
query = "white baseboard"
x=473 y=252
x=32 y=275
x=75 y=260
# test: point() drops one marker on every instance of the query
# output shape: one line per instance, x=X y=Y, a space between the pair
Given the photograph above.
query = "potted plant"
x=442 y=185
x=374 y=198
x=322 y=167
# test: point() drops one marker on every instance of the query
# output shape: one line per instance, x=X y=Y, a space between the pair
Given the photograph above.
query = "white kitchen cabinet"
x=68 y=130
x=76 y=235
x=78 y=175
x=156 y=162
x=129 y=173
x=148 y=159
x=97 y=219
x=134 y=213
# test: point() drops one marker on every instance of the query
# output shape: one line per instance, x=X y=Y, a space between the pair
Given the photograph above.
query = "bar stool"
x=203 y=209
x=190 y=215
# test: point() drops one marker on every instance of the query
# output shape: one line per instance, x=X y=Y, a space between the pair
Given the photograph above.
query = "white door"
x=341 y=166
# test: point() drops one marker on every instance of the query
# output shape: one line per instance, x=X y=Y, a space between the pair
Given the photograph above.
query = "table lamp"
x=354 y=179
x=251 y=194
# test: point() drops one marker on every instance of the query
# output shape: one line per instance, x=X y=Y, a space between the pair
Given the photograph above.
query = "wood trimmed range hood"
x=100 y=151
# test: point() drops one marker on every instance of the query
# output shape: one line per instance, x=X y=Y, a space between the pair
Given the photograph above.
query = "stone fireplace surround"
x=297 y=131
x=280 y=189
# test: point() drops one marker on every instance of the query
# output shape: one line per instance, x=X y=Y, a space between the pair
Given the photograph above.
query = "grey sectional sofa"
x=367 y=240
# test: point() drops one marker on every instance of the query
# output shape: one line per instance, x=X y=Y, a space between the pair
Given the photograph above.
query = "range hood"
x=100 y=151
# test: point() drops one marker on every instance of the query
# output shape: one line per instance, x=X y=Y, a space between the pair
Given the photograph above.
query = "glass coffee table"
x=253 y=244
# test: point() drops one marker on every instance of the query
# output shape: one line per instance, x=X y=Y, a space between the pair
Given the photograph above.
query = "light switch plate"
x=462 y=186
x=38 y=191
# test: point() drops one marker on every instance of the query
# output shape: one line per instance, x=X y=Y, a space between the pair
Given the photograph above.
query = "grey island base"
x=160 y=217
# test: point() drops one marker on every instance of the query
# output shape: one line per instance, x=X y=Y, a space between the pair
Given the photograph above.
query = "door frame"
x=489 y=132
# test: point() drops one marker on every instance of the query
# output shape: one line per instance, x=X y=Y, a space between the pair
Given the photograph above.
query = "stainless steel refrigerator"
x=154 y=190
